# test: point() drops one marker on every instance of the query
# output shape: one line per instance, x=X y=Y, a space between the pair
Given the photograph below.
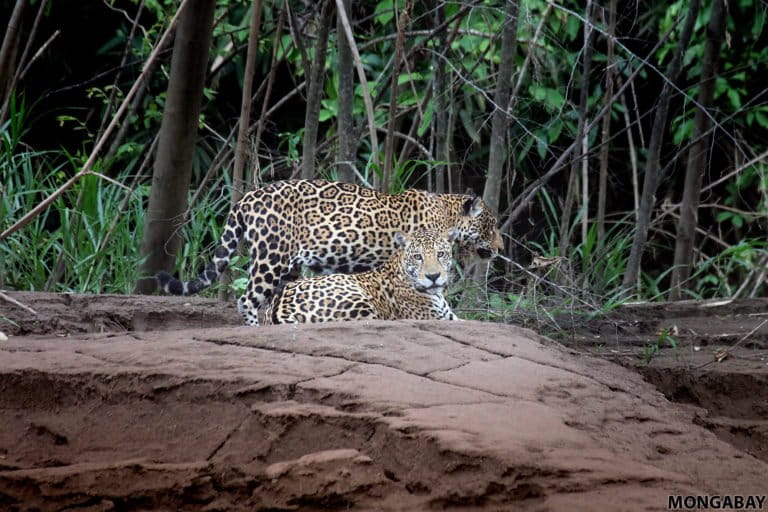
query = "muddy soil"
x=152 y=403
x=710 y=354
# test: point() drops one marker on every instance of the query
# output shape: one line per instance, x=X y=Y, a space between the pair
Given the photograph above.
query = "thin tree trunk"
x=241 y=150
x=605 y=134
x=10 y=45
x=570 y=197
x=632 y=158
x=697 y=155
x=264 y=115
x=442 y=144
x=455 y=179
x=497 y=156
x=314 y=93
x=25 y=60
x=652 y=168
x=241 y=146
x=500 y=120
x=580 y=151
x=389 y=144
x=347 y=142
x=175 y=151
x=585 y=188
x=370 y=116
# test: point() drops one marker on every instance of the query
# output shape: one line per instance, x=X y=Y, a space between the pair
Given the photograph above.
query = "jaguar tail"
x=228 y=242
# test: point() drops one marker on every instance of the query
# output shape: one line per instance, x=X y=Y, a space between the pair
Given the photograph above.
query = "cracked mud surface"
x=104 y=406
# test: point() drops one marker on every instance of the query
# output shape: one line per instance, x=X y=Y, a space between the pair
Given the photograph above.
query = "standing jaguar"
x=408 y=286
x=331 y=227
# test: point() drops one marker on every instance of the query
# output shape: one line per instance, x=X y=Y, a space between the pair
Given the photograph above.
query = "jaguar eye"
x=441 y=254
x=417 y=257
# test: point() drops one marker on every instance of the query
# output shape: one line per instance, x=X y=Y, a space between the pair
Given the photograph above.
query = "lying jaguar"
x=331 y=227
x=408 y=286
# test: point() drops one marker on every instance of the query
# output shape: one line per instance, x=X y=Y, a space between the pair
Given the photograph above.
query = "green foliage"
x=741 y=58
x=583 y=280
x=96 y=256
x=651 y=350
x=90 y=262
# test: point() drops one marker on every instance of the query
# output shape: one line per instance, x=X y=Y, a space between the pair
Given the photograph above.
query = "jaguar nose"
x=484 y=253
x=433 y=277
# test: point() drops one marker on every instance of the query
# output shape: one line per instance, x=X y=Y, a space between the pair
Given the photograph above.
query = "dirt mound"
x=366 y=416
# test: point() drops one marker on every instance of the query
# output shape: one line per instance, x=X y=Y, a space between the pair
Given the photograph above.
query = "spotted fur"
x=331 y=227
x=408 y=286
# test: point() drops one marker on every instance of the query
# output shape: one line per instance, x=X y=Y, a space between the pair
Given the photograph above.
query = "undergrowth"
x=89 y=240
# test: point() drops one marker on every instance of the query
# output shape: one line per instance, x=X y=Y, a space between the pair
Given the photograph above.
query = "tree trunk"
x=500 y=120
x=241 y=150
x=176 y=146
x=389 y=144
x=652 y=168
x=314 y=93
x=442 y=144
x=605 y=134
x=11 y=45
x=580 y=152
x=347 y=142
x=697 y=155
x=255 y=179
x=24 y=61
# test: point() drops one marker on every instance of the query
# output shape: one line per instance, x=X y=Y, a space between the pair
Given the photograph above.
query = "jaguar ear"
x=400 y=239
x=452 y=234
x=473 y=206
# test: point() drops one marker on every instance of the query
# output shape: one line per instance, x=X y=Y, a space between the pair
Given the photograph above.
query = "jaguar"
x=409 y=285
x=331 y=227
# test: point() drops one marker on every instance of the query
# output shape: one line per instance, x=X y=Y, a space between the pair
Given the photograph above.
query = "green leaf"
x=733 y=96
x=554 y=131
x=468 y=126
x=555 y=98
x=572 y=27
x=723 y=216
x=762 y=119
x=384 y=13
x=426 y=120
x=541 y=147
x=408 y=77
x=683 y=132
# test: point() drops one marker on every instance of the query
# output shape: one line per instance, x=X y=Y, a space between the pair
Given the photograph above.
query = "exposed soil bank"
x=365 y=416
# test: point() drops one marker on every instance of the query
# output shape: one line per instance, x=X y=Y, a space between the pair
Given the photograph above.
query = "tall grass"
x=94 y=243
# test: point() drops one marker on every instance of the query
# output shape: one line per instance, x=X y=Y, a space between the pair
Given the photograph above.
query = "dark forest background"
x=622 y=144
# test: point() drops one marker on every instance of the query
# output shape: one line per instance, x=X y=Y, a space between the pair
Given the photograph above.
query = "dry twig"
x=13 y=301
